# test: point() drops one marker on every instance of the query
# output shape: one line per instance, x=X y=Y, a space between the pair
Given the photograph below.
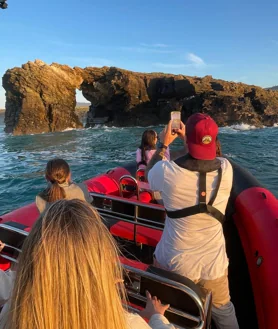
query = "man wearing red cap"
x=195 y=190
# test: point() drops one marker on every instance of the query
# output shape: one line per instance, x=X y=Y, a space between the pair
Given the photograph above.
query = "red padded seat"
x=4 y=264
x=144 y=235
x=133 y=263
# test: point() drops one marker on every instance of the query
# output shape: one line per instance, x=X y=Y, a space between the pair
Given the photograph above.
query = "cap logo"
x=206 y=139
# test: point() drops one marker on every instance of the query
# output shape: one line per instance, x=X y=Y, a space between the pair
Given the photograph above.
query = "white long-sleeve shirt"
x=134 y=321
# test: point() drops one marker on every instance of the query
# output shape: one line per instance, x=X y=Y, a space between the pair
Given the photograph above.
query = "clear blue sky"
x=232 y=40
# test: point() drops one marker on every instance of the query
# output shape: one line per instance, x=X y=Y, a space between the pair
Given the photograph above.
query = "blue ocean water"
x=93 y=151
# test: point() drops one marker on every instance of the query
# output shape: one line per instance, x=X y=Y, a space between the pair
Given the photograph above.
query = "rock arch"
x=41 y=98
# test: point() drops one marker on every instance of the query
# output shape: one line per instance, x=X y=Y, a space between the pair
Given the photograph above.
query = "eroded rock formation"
x=129 y=98
x=41 y=98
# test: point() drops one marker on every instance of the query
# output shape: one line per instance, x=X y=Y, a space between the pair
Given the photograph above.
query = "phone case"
x=176 y=119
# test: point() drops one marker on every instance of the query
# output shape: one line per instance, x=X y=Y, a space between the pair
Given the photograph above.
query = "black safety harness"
x=201 y=166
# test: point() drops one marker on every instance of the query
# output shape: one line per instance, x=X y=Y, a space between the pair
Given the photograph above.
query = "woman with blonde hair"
x=60 y=186
x=69 y=276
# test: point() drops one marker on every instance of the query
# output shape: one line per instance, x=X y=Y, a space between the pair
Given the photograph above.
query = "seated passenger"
x=6 y=283
x=69 y=276
x=195 y=190
x=147 y=148
x=60 y=186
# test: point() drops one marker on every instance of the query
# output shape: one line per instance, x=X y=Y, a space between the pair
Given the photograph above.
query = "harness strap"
x=219 y=178
x=202 y=187
x=202 y=206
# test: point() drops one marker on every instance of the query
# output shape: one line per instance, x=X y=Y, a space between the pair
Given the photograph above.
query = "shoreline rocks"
x=41 y=97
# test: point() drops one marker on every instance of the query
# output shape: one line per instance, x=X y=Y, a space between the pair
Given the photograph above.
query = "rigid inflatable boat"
x=125 y=203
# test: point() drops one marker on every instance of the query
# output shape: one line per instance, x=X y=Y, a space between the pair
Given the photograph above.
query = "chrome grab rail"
x=203 y=306
x=133 y=180
x=133 y=219
x=137 y=176
x=13 y=230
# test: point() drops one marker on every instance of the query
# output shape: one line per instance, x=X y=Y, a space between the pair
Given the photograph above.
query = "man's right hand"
x=166 y=136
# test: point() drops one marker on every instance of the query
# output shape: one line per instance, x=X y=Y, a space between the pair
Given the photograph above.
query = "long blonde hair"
x=69 y=274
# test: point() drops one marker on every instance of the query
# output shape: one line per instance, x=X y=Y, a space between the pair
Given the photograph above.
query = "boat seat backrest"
x=13 y=235
x=190 y=306
x=177 y=300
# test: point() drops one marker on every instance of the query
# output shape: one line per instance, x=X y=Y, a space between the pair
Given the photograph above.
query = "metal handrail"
x=117 y=216
x=133 y=219
x=15 y=230
x=133 y=180
x=127 y=201
x=202 y=306
x=137 y=173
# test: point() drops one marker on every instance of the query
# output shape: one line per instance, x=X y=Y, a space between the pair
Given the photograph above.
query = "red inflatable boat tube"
x=256 y=219
x=26 y=215
x=107 y=183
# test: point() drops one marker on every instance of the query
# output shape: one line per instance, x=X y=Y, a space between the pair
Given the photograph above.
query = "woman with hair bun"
x=60 y=186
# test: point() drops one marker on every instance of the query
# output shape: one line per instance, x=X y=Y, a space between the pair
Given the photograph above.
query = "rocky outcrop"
x=41 y=97
x=129 y=98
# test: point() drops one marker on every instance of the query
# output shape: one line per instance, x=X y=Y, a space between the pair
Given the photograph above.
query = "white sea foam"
x=275 y=125
x=70 y=129
x=238 y=128
x=243 y=127
x=230 y=155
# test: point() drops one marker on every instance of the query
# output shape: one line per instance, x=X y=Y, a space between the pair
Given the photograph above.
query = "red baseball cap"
x=201 y=133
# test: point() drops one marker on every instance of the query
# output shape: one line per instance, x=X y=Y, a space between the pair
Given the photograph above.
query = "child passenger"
x=147 y=148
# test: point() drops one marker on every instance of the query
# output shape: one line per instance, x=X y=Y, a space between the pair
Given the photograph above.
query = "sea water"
x=95 y=150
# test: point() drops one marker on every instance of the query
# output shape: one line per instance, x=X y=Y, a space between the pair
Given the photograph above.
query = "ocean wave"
x=244 y=126
x=275 y=125
x=70 y=129
x=230 y=155
x=239 y=128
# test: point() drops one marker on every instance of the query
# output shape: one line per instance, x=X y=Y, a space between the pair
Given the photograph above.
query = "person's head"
x=201 y=133
x=57 y=172
x=69 y=273
x=149 y=139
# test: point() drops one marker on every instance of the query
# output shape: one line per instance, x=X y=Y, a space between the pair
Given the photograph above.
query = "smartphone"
x=176 y=119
